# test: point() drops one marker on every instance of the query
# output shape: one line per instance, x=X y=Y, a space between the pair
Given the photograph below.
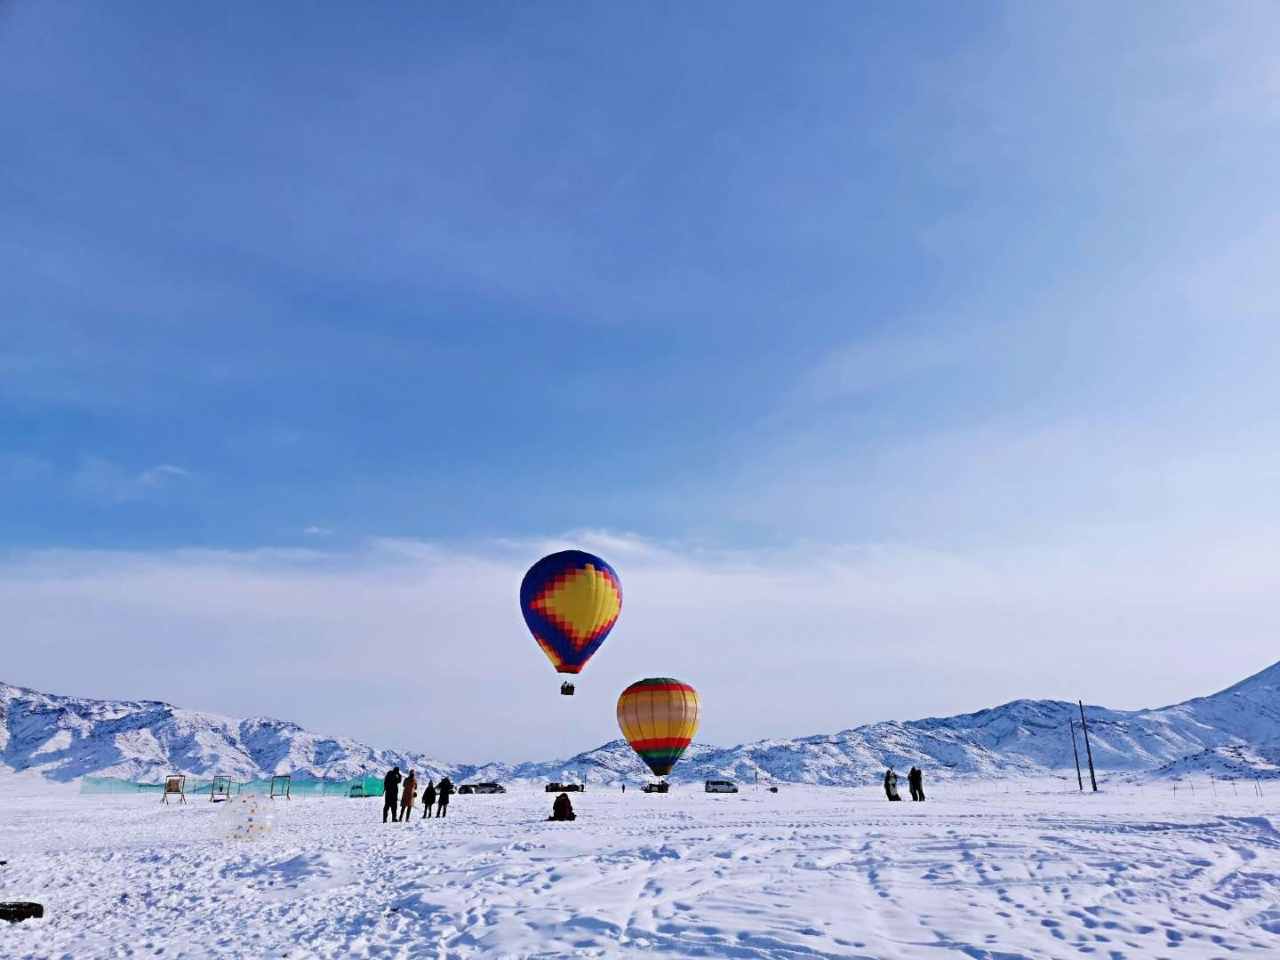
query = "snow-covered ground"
x=1035 y=872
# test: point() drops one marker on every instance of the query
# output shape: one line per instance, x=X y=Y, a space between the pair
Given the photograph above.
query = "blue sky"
x=845 y=280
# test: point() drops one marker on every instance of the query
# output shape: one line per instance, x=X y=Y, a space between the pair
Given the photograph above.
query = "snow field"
x=807 y=873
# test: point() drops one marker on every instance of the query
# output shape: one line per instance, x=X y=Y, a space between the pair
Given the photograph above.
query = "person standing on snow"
x=443 y=792
x=408 y=793
x=915 y=780
x=891 y=785
x=391 y=794
x=428 y=799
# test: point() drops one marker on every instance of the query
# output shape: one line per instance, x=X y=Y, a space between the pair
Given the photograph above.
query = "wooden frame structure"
x=220 y=789
x=175 y=785
x=280 y=786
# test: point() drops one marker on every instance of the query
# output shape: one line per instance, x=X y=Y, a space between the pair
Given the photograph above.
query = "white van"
x=721 y=786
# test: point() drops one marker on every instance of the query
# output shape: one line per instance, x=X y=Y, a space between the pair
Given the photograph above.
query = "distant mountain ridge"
x=1235 y=732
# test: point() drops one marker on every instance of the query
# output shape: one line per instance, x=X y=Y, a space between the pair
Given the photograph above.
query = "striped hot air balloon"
x=659 y=717
x=570 y=600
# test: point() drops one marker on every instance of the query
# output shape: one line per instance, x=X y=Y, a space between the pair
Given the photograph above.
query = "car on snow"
x=554 y=787
x=721 y=786
x=482 y=788
x=660 y=787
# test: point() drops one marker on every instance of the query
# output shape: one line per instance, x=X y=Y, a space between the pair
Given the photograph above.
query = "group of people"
x=915 y=781
x=398 y=799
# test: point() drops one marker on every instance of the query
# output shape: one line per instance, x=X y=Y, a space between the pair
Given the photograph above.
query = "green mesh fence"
x=358 y=787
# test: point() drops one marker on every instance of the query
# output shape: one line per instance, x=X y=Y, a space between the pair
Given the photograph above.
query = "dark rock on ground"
x=16 y=911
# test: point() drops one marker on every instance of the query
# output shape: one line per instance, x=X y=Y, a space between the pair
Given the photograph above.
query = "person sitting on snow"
x=562 y=809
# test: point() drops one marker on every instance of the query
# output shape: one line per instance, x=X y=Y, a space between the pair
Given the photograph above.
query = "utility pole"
x=1075 y=750
x=1087 y=749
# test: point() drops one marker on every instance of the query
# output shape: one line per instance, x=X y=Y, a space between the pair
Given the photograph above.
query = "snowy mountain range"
x=1233 y=733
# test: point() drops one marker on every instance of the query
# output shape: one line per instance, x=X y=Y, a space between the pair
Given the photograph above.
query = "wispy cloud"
x=161 y=475
x=781 y=642
x=865 y=366
x=101 y=479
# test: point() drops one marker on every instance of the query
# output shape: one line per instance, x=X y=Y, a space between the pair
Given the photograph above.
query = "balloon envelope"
x=659 y=717
x=570 y=600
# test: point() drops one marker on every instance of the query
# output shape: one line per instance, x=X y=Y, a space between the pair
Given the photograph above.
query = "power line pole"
x=1088 y=750
x=1075 y=750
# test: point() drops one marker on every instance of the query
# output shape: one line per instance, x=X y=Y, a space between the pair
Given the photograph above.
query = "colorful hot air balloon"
x=659 y=717
x=570 y=600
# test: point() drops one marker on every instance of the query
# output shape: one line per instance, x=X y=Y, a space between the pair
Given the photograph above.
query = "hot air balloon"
x=570 y=600
x=659 y=717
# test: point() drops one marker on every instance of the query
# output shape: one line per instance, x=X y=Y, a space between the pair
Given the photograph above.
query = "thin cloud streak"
x=98 y=478
x=421 y=645
x=863 y=367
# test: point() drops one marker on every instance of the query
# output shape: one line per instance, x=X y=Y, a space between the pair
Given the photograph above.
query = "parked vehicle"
x=467 y=788
x=488 y=788
x=660 y=787
x=721 y=786
x=554 y=787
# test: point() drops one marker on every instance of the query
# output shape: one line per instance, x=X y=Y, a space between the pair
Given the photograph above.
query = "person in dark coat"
x=891 y=785
x=428 y=799
x=443 y=792
x=562 y=809
x=915 y=780
x=391 y=795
